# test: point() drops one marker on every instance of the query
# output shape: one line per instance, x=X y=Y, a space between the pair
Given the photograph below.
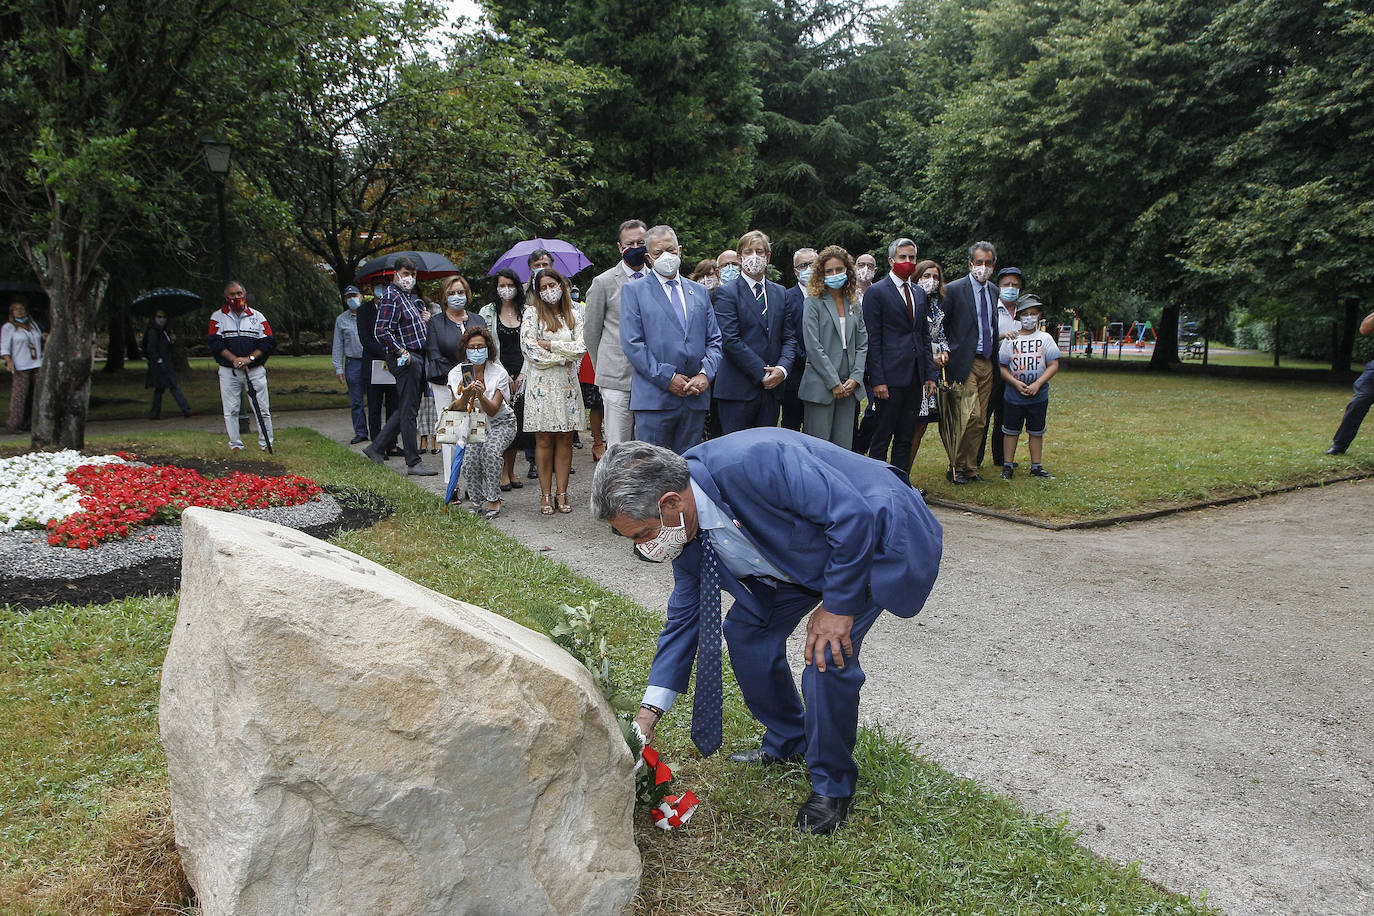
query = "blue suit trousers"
x=826 y=726
x=1357 y=408
x=677 y=429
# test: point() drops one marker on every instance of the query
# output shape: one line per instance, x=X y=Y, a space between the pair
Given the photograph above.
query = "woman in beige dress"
x=551 y=337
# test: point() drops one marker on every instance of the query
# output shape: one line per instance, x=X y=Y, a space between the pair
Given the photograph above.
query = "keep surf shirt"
x=1027 y=356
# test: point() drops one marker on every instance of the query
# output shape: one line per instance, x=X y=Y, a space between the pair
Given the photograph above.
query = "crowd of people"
x=673 y=359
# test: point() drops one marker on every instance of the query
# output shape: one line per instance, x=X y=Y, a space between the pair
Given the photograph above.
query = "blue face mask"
x=22 y=319
x=804 y=276
x=378 y=290
x=354 y=303
x=1009 y=294
x=729 y=273
x=477 y=357
x=835 y=281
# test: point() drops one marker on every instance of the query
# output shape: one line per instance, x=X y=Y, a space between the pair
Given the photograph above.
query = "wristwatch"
x=653 y=709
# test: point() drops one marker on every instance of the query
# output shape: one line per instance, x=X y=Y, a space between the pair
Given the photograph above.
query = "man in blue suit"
x=669 y=334
x=803 y=262
x=759 y=338
x=789 y=525
x=901 y=367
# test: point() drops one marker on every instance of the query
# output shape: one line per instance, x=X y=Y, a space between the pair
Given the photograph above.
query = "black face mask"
x=635 y=256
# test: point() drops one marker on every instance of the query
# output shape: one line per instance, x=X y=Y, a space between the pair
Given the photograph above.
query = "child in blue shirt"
x=1028 y=361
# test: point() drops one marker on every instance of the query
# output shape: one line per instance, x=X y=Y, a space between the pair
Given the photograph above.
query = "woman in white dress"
x=551 y=337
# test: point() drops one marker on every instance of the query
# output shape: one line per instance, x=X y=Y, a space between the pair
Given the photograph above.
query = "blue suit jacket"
x=651 y=336
x=841 y=524
x=898 y=348
x=750 y=341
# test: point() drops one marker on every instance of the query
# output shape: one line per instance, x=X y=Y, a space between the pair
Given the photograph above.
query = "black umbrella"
x=431 y=265
x=172 y=301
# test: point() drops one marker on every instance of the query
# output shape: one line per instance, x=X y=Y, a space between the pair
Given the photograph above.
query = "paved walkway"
x=1194 y=691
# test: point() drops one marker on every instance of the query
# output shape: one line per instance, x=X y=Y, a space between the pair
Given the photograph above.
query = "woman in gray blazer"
x=836 y=348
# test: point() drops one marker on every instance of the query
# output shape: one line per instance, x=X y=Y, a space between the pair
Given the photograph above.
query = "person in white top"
x=21 y=346
x=488 y=390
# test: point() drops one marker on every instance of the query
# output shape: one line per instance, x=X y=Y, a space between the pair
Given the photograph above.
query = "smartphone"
x=467 y=373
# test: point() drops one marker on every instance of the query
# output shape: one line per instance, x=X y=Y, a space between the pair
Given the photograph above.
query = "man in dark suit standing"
x=377 y=395
x=901 y=368
x=971 y=329
x=759 y=340
x=803 y=262
x=669 y=334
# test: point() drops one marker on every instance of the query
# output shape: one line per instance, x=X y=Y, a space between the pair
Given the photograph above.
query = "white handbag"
x=453 y=427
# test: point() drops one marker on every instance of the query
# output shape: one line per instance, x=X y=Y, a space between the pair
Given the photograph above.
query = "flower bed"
x=83 y=500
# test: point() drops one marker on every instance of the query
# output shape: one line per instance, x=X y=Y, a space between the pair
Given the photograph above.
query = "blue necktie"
x=986 y=319
x=707 y=701
x=675 y=298
x=763 y=300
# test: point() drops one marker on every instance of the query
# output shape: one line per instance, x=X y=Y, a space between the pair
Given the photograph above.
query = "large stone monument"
x=341 y=740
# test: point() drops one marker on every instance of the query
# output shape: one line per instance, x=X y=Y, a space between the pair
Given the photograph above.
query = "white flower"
x=34 y=488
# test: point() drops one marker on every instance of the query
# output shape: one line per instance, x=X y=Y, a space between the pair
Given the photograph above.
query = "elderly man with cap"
x=351 y=362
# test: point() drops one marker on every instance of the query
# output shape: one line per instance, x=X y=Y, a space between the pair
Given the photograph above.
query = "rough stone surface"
x=342 y=740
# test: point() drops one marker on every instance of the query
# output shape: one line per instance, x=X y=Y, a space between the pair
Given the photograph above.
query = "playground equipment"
x=1138 y=332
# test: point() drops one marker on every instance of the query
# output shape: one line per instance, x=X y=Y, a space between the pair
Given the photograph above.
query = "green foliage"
x=578 y=631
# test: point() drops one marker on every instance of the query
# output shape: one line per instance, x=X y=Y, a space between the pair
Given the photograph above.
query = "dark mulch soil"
x=361 y=509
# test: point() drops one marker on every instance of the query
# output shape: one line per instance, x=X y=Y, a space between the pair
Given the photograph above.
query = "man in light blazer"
x=971 y=328
x=901 y=367
x=789 y=525
x=601 y=327
x=669 y=334
x=760 y=340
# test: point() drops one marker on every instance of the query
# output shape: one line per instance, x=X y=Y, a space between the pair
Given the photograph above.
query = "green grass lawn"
x=83 y=807
x=294 y=383
x=1122 y=442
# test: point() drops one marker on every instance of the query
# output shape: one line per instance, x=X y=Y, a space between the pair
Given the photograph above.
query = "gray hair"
x=802 y=251
x=656 y=233
x=983 y=246
x=898 y=243
x=631 y=478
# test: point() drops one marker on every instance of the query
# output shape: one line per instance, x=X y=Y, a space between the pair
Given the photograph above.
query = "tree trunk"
x=1345 y=343
x=64 y=380
x=1165 y=356
x=1206 y=343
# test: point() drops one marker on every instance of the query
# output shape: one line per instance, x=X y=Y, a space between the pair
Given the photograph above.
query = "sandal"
x=563 y=505
x=546 y=504
x=490 y=514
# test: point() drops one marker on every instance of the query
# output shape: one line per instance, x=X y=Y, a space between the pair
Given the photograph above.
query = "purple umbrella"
x=567 y=260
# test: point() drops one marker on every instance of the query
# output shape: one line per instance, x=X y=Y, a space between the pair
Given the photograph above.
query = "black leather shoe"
x=1334 y=451
x=374 y=455
x=823 y=815
x=973 y=478
x=356 y=439
x=1040 y=472
x=960 y=479
x=762 y=758
x=533 y=474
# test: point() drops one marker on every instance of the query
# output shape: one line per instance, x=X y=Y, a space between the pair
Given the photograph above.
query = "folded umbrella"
x=567 y=259
x=454 y=467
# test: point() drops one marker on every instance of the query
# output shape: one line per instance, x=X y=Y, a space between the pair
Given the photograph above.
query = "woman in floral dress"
x=551 y=337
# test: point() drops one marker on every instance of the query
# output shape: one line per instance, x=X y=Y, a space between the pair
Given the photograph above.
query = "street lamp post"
x=218 y=156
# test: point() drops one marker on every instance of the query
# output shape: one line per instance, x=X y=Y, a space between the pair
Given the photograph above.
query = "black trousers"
x=993 y=430
x=761 y=411
x=791 y=403
x=892 y=421
x=410 y=382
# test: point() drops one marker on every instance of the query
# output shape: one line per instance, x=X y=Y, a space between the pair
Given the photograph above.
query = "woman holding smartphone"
x=551 y=338
x=480 y=382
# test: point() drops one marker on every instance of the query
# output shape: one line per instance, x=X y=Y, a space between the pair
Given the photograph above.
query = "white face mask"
x=666 y=264
x=552 y=295
x=753 y=264
x=405 y=284
x=457 y=302
x=864 y=274
x=927 y=284
x=506 y=292
x=668 y=544
x=1029 y=322
x=980 y=273
x=709 y=282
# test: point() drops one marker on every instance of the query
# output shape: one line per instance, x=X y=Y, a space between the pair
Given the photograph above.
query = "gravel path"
x=1194 y=691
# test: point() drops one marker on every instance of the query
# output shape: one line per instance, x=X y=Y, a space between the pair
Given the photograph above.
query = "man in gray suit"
x=601 y=330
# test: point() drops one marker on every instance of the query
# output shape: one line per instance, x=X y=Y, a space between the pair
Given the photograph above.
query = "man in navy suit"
x=901 y=367
x=788 y=525
x=669 y=334
x=803 y=262
x=759 y=339
x=971 y=329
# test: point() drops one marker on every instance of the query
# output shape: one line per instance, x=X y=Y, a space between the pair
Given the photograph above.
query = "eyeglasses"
x=803 y=265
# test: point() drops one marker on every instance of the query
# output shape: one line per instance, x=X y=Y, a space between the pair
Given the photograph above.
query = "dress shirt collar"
x=630 y=271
